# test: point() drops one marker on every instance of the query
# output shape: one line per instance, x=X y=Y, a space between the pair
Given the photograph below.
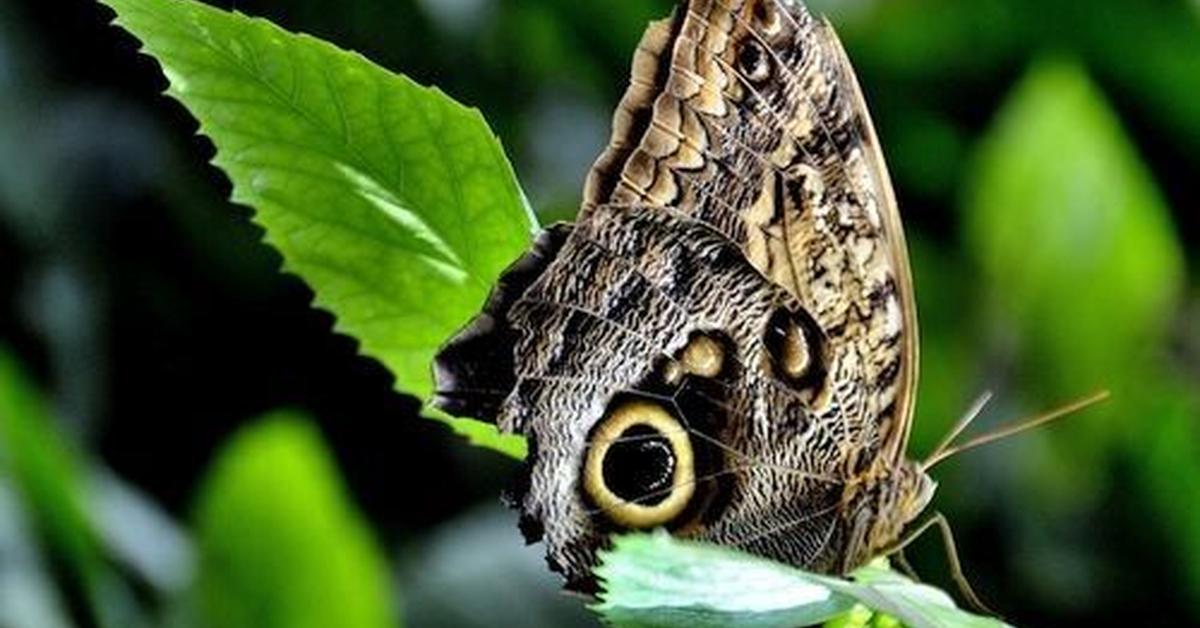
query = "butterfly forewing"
x=747 y=117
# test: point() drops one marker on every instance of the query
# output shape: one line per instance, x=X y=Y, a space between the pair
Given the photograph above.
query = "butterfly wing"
x=747 y=117
x=738 y=264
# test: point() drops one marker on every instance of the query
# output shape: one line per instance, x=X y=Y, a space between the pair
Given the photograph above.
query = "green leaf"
x=395 y=203
x=482 y=434
x=280 y=545
x=918 y=605
x=656 y=580
x=659 y=581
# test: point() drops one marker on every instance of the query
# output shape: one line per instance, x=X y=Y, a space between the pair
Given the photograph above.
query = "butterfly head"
x=915 y=489
x=881 y=506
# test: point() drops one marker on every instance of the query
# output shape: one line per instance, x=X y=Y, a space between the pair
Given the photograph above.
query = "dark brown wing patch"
x=474 y=371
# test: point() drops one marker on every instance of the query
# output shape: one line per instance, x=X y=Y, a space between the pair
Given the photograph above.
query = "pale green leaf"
x=655 y=580
x=395 y=203
x=917 y=605
x=280 y=546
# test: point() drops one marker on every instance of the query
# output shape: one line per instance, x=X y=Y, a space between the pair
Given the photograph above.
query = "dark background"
x=145 y=305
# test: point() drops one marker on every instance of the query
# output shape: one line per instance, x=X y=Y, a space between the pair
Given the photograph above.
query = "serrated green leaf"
x=482 y=434
x=395 y=203
x=280 y=545
x=656 y=580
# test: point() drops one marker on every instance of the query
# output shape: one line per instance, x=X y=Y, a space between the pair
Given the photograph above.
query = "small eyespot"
x=794 y=356
x=703 y=356
x=793 y=341
x=639 y=467
x=753 y=61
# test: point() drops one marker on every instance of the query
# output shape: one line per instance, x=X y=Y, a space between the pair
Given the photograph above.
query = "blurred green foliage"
x=46 y=472
x=1074 y=243
x=52 y=479
x=1044 y=153
x=1077 y=257
x=279 y=544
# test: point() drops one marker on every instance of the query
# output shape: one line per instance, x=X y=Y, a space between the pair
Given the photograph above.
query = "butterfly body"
x=876 y=509
x=723 y=344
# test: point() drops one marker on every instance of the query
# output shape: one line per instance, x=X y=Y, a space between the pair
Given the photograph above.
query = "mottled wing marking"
x=635 y=111
x=746 y=117
x=626 y=291
x=880 y=182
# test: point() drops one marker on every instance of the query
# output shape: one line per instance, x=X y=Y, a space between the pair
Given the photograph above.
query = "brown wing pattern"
x=746 y=116
x=737 y=274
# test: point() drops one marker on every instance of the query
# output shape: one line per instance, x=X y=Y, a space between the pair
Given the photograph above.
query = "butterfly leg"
x=956 y=571
x=905 y=567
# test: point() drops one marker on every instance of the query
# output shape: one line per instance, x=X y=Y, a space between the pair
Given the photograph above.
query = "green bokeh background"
x=1045 y=157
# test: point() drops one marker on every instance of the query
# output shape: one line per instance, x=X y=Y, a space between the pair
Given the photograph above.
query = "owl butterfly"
x=724 y=343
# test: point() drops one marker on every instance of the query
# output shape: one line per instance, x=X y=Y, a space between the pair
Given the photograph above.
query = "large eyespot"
x=640 y=468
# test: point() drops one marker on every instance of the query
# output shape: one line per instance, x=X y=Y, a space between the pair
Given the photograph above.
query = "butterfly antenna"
x=973 y=412
x=944 y=451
